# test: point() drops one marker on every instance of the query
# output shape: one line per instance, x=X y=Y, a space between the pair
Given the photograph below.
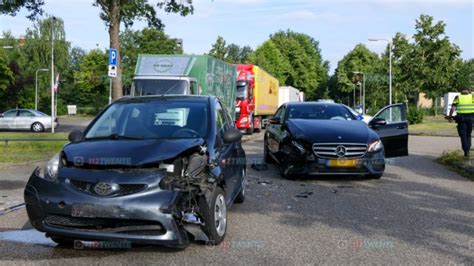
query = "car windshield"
x=158 y=87
x=152 y=120
x=241 y=93
x=320 y=112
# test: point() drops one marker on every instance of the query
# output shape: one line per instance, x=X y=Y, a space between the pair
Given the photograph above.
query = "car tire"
x=214 y=227
x=375 y=176
x=37 y=127
x=241 y=196
x=266 y=156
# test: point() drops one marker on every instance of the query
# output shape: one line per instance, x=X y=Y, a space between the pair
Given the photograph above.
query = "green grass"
x=455 y=161
x=27 y=151
x=434 y=126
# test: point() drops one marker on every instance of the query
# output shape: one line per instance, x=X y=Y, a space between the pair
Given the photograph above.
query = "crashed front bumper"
x=372 y=163
x=144 y=217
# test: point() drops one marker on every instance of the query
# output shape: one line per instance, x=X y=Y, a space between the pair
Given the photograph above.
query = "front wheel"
x=37 y=127
x=215 y=216
x=375 y=176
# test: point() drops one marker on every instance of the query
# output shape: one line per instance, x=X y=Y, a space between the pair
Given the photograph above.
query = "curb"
x=11 y=208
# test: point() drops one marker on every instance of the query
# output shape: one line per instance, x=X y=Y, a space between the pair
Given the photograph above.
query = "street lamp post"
x=36 y=86
x=389 y=67
x=52 y=74
x=363 y=89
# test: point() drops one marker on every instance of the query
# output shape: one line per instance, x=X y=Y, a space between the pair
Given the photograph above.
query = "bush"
x=414 y=115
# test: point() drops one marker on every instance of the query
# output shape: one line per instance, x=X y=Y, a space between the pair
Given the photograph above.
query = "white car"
x=26 y=119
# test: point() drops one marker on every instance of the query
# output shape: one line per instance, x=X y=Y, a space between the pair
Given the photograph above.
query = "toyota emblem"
x=105 y=189
x=340 y=151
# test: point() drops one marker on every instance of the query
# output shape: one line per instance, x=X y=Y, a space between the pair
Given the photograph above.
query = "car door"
x=8 y=120
x=275 y=131
x=394 y=133
x=24 y=119
x=226 y=152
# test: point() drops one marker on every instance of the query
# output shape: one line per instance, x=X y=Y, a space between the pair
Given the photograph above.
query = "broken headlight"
x=299 y=146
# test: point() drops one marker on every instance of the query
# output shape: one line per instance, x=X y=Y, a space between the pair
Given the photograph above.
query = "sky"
x=338 y=25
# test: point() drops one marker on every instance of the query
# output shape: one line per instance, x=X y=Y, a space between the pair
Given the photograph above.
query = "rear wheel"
x=37 y=127
x=215 y=216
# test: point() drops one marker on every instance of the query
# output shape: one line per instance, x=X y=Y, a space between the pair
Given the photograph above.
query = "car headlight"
x=375 y=146
x=299 y=146
x=51 y=169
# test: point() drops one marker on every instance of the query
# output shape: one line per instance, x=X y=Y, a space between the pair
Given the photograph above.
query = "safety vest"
x=465 y=105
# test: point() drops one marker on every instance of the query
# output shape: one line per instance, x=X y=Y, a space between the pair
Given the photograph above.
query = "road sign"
x=112 y=71
x=113 y=57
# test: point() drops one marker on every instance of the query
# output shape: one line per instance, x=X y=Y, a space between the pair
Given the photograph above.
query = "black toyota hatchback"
x=319 y=138
x=150 y=170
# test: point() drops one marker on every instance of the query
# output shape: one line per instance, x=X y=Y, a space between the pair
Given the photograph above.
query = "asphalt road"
x=418 y=213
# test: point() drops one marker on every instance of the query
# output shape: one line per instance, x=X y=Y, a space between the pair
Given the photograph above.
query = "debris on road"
x=259 y=167
x=304 y=194
x=334 y=191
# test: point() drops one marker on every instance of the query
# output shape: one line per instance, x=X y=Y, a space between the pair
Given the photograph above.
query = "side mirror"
x=275 y=120
x=378 y=122
x=75 y=136
x=232 y=135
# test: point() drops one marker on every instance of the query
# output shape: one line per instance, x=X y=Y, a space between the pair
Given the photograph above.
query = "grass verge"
x=434 y=126
x=27 y=150
x=456 y=162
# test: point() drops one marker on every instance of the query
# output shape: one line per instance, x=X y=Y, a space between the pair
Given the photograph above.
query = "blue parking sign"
x=112 y=56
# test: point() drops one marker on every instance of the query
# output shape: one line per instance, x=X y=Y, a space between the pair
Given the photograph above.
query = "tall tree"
x=6 y=75
x=268 y=57
x=115 y=12
x=34 y=7
x=219 y=49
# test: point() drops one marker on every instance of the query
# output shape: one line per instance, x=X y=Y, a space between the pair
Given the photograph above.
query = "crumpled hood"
x=331 y=131
x=126 y=152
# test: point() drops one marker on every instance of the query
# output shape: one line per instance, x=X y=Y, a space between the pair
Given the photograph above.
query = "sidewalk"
x=13 y=178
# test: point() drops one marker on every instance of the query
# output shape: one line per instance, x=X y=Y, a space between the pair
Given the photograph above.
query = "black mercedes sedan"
x=320 y=138
x=148 y=170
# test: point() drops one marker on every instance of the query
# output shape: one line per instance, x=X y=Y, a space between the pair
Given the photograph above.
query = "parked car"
x=26 y=119
x=321 y=138
x=150 y=170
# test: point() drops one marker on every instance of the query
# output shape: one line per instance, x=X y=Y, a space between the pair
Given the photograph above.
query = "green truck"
x=185 y=74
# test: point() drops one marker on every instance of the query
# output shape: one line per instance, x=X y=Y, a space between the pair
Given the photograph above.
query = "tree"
x=465 y=75
x=115 y=12
x=34 y=7
x=219 y=49
x=268 y=57
x=6 y=75
x=308 y=70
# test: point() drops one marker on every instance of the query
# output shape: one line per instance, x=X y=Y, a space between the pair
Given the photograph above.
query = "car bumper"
x=371 y=163
x=145 y=217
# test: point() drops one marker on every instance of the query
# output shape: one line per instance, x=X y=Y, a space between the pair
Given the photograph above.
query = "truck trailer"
x=185 y=74
x=289 y=94
x=256 y=97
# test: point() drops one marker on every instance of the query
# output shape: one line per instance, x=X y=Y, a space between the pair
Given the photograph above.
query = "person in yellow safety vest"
x=464 y=118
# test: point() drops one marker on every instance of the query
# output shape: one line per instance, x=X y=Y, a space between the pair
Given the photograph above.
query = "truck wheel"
x=215 y=216
x=257 y=129
x=251 y=128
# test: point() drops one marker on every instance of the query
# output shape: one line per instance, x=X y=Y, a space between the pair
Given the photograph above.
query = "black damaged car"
x=148 y=170
x=320 y=138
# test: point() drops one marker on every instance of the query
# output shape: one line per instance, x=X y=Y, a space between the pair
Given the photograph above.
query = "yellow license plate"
x=343 y=163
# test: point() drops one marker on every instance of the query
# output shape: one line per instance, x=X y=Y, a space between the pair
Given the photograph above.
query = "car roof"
x=313 y=103
x=151 y=98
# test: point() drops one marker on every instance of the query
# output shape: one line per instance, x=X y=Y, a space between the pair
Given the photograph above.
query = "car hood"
x=119 y=153
x=331 y=131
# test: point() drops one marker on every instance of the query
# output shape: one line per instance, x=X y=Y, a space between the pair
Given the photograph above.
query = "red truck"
x=256 y=97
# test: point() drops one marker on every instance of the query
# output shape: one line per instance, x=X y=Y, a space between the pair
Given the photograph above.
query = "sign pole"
x=110 y=91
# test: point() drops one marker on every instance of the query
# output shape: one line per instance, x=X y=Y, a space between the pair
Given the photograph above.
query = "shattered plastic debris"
x=264 y=182
x=259 y=167
x=304 y=194
x=333 y=191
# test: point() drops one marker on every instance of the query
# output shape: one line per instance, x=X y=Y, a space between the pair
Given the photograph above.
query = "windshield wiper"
x=115 y=136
